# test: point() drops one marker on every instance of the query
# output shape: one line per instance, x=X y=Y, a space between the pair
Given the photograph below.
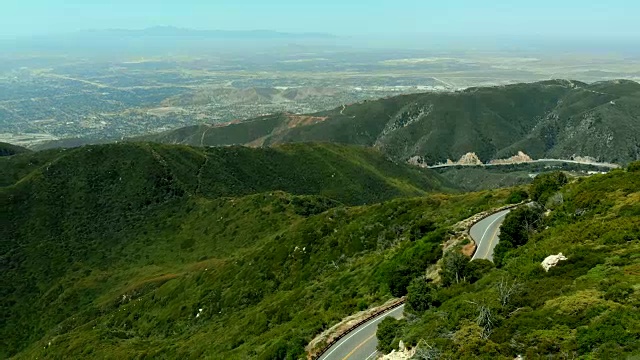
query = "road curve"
x=361 y=342
x=486 y=235
x=598 y=164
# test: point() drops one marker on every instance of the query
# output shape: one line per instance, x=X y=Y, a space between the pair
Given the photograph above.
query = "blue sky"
x=567 y=18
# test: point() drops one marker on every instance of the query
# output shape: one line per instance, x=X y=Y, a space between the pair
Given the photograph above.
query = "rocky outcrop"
x=552 y=260
x=466 y=159
x=516 y=159
x=469 y=159
x=584 y=159
x=417 y=161
x=402 y=353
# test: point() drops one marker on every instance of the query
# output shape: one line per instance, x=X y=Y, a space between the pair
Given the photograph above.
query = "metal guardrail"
x=355 y=326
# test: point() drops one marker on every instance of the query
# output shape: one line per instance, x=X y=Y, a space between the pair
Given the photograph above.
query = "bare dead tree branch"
x=485 y=320
x=506 y=289
x=426 y=351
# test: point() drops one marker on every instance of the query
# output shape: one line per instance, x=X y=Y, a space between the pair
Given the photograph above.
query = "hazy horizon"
x=74 y=68
x=543 y=19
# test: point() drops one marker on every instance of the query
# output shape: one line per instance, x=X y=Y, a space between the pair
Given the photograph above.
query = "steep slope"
x=116 y=252
x=585 y=307
x=251 y=132
x=557 y=118
x=133 y=250
x=601 y=120
x=7 y=149
x=15 y=167
x=349 y=174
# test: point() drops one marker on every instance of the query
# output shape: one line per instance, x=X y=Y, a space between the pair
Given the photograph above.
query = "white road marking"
x=364 y=327
x=373 y=353
x=485 y=233
x=493 y=237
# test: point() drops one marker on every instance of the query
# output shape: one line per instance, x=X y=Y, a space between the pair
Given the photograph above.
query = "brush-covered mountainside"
x=349 y=174
x=550 y=119
x=586 y=307
x=7 y=149
x=149 y=250
x=159 y=251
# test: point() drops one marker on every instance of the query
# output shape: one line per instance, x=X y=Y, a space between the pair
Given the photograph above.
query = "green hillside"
x=557 y=119
x=234 y=134
x=352 y=175
x=111 y=251
x=157 y=251
x=585 y=307
x=7 y=149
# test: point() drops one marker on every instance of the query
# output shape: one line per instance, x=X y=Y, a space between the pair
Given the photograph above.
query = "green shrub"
x=421 y=296
x=545 y=185
x=388 y=332
x=634 y=167
x=579 y=261
x=454 y=268
x=630 y=210
x=617 y=328
x=619 y=292
x=400 y=280
x=500 y=252
x=476 y=269
x=520 y=223
x=277 y=351
x=411 y=262
x=517 y=196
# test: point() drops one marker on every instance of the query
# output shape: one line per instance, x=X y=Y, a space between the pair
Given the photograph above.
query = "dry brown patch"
x=633 y=270
x=469 y=249
x=164 y=111
x=303 y=120
x=292 y=121
x=259 y=142
x=232 y=122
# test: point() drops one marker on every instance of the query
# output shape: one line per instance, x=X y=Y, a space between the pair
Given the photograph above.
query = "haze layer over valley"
x=113 y=84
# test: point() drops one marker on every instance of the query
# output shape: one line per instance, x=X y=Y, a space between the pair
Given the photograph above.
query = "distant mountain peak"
x=174 y=31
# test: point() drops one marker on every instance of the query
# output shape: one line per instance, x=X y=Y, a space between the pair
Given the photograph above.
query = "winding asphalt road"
x=361 y=342
x=485 y=233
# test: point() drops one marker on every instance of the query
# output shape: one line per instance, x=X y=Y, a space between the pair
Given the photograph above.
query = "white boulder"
x=552 y=260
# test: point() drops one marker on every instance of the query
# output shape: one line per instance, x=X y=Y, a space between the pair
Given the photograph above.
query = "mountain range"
x=550 y=119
